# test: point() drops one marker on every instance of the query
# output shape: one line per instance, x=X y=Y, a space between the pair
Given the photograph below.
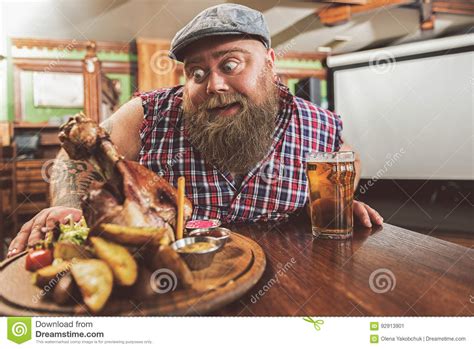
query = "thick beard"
x=234 y=143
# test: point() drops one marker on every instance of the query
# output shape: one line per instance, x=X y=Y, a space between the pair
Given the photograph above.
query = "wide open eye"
x=229 y=66
x=198 y=74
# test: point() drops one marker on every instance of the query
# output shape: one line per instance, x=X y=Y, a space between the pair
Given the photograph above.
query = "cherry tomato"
x=37 y=259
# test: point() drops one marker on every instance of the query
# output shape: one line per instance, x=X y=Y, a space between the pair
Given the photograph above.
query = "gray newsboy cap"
x=225 y=19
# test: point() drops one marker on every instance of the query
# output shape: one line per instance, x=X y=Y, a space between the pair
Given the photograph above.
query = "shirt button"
x=238 y=197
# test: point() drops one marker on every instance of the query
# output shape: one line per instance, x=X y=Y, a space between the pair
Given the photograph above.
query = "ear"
x=270 y=58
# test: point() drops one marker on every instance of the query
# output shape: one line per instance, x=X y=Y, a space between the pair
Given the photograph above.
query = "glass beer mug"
x=331 y=193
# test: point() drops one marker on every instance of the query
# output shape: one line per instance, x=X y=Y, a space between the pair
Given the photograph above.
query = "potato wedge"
x=134 y=235
x=66 y=250
x=121 y=262
x=51 y=274
x=95 y=280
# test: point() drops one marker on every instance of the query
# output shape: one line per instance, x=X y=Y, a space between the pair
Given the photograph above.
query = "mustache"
x=223 y=100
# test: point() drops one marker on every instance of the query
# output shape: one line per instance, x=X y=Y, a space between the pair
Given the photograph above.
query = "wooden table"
x=380 y=271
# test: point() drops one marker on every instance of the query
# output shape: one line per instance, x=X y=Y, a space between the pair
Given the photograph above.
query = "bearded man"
x=233 y=131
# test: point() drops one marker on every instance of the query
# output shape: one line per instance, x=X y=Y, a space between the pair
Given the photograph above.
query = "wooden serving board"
x=234 y=270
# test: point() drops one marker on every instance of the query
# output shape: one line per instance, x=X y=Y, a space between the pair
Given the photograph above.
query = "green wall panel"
x=128 y=86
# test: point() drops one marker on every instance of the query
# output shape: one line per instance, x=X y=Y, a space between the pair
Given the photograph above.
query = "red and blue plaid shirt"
x=273 y=189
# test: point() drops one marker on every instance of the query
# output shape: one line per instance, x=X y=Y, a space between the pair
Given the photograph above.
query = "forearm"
x=70 y=180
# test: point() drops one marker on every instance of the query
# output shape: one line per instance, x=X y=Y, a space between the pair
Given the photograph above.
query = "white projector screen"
x=410 y=119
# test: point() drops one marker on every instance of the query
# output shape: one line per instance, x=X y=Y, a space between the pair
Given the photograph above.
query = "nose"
x=216 y=84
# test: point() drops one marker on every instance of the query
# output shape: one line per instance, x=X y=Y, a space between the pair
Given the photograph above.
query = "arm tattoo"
x=70 y=180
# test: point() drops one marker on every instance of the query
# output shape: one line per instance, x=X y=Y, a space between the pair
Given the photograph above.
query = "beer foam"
x=330 y=157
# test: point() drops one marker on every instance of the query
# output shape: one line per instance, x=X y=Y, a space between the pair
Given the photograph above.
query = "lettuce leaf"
x=75 y=232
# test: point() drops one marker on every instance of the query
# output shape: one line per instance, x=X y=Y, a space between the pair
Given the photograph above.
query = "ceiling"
x=292 y=24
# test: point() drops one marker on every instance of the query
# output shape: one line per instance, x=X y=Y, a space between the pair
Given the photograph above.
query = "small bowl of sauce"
x=198 y=252
x=222 y=234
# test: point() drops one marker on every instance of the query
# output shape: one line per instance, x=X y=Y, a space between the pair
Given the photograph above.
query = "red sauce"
x=200 y=224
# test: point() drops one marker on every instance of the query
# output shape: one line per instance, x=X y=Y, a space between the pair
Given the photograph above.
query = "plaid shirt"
x=274 y=188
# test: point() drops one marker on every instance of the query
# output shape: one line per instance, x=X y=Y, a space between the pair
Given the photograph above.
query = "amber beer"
x=331 y=187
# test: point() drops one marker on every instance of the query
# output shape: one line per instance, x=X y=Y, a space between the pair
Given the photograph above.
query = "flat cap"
x=224 y=19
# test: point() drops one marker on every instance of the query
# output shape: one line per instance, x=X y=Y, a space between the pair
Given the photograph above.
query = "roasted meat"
x=133 y=207
x=131 y=195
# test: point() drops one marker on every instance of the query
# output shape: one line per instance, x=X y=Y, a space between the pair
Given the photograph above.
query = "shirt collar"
x=286 y=98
